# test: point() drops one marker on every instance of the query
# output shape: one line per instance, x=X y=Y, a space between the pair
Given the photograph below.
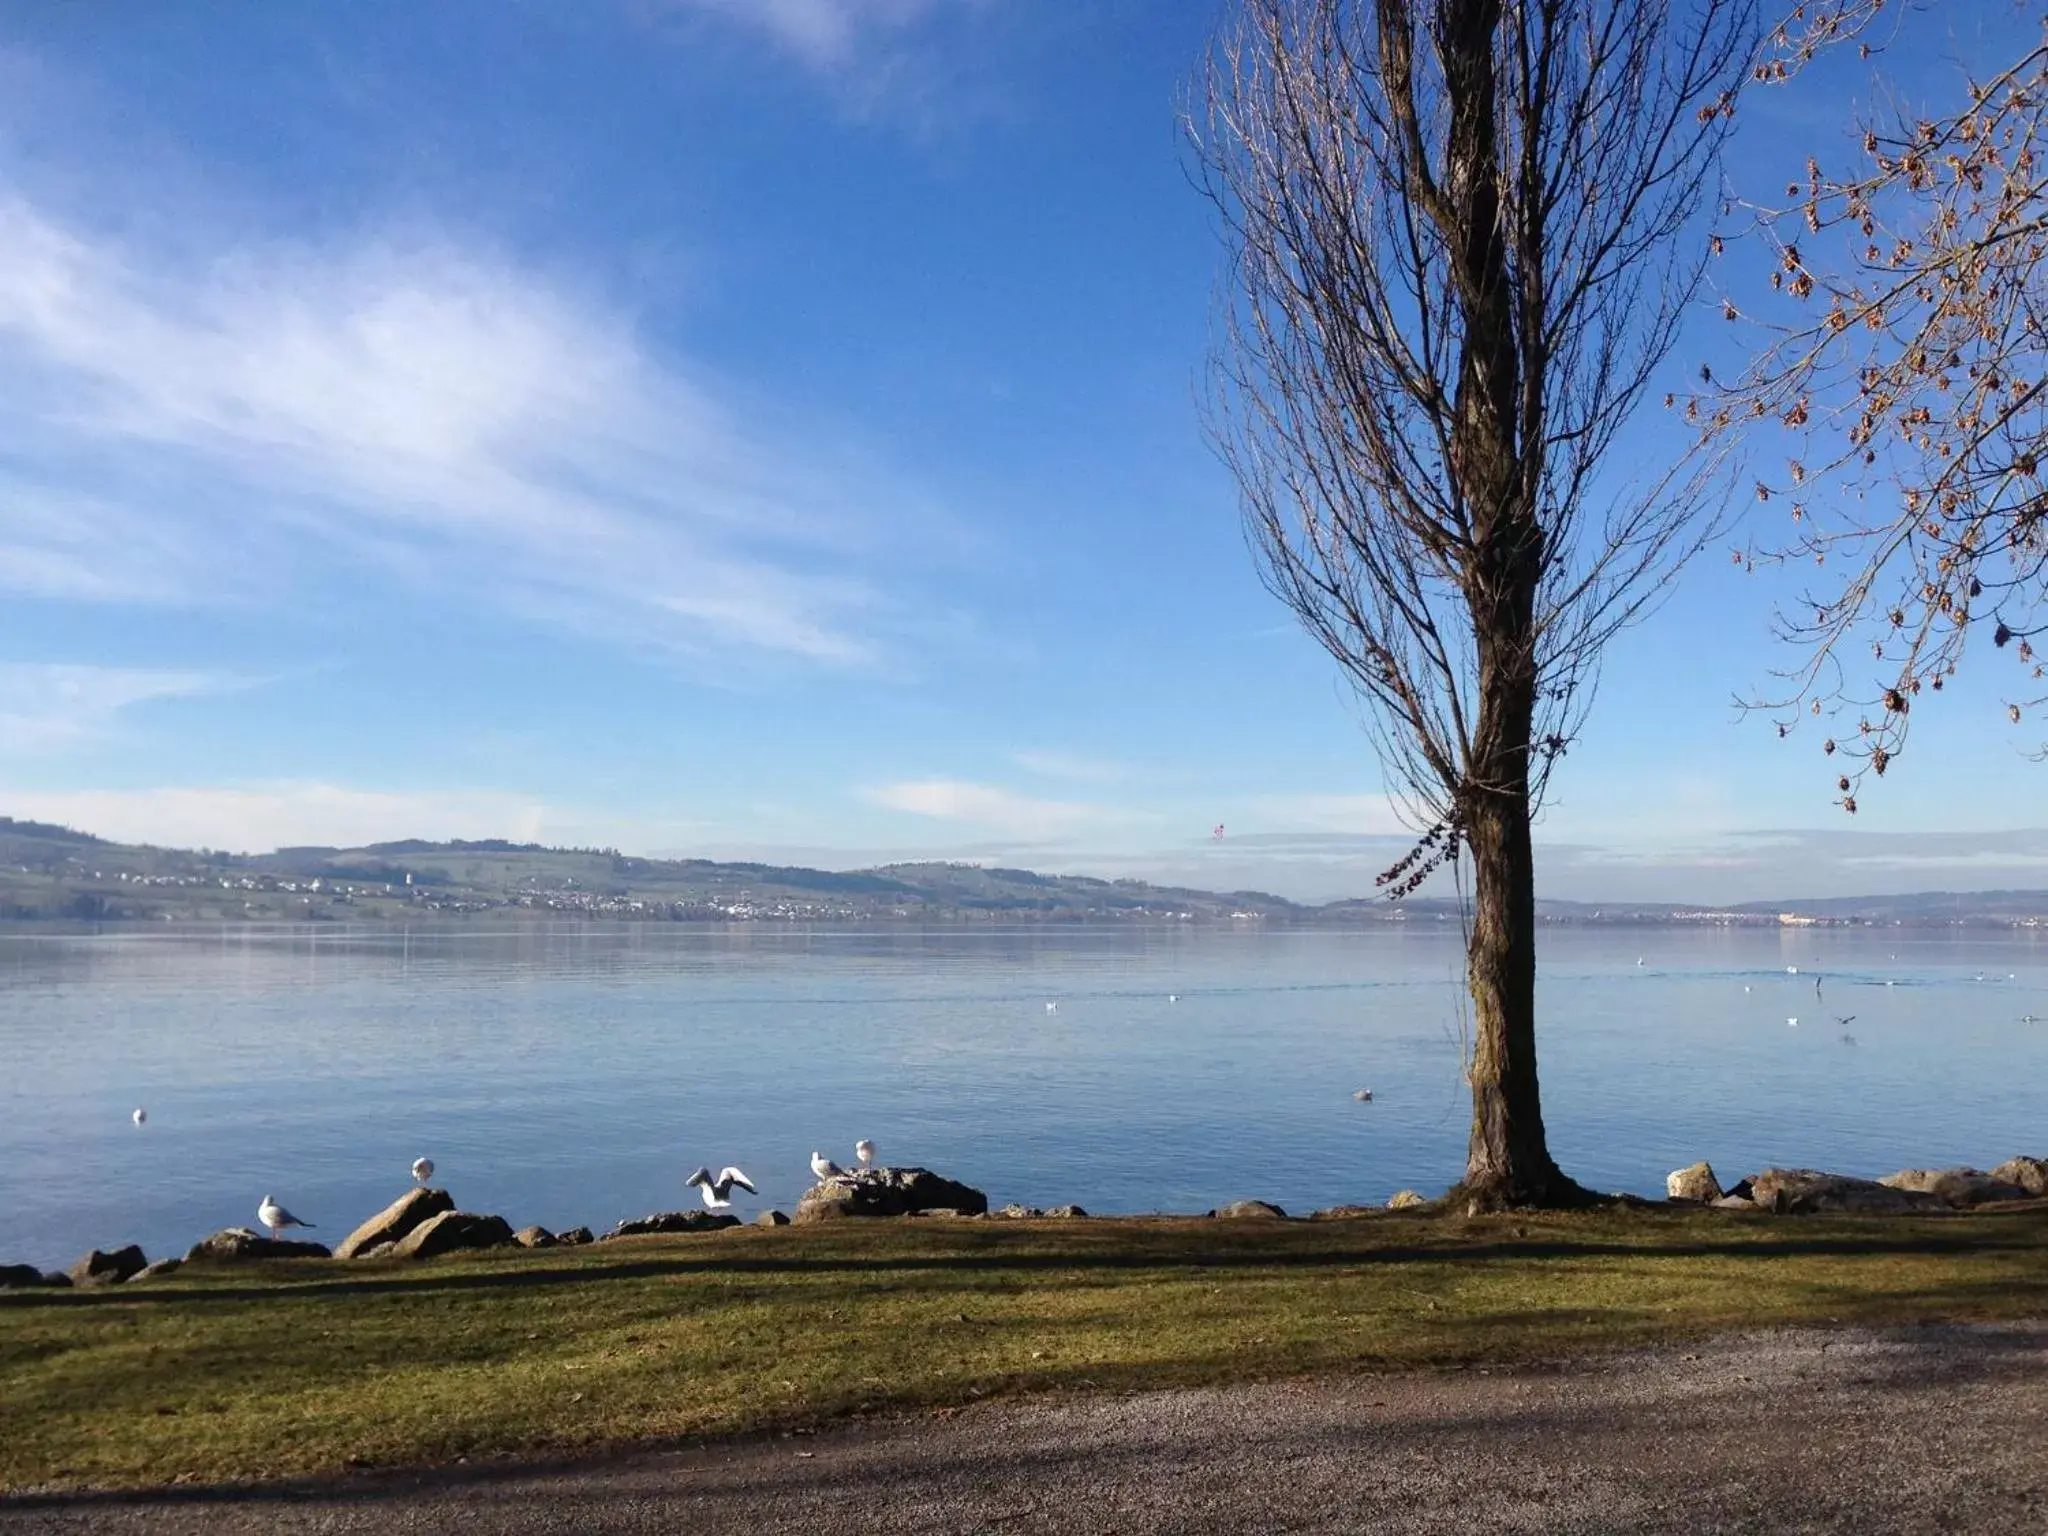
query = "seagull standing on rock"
x=422 y=1169
x=825 y=1168
x=276 y=1217
x=865 y=1151
x=718 y=1192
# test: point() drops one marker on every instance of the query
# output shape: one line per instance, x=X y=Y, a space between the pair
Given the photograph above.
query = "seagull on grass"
x=276 y=1217
x=865 y=1151
x=825 y=1168
x=718 y=1192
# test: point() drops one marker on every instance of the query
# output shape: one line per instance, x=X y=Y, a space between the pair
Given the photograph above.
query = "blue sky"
x=752 y=428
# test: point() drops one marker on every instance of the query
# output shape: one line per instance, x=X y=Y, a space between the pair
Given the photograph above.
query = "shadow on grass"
x=1136 y=1253
x=1909 y=1356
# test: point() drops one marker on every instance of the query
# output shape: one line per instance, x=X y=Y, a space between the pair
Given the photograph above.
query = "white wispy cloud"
x=257 y=817
x=826 y=35
x=988 y=808
x=1357 y=815
x=47 y=707
x=196 y=425
x=1071 y=765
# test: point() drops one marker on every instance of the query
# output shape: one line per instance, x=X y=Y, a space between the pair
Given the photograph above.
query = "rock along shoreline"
x=424 y=1223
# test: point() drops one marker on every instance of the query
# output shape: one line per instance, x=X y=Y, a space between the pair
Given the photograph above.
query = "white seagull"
x=1792 y=1023
x=276 y=1217
x=140 y=1116
x=1052 y=1007
x=865 y=1151
x=717 y=1192
x=825 y=1168
x=1363 y=1095
x=422 y=1169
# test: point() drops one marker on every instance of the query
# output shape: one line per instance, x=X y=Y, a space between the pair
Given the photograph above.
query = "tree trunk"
x=1508 y=1161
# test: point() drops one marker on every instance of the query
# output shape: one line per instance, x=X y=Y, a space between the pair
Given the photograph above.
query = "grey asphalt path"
x=1919 y=1429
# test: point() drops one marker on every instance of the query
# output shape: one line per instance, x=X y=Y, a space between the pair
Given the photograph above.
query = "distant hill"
x=52 y=873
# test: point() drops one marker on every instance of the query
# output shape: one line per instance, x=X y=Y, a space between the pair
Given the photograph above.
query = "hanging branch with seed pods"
x=1904 y=365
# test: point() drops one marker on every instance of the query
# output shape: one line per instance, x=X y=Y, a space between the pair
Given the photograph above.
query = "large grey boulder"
x=2029 y=1173
x=771 y=1219
x=452 y=1232
x=575 y=1237
x=412 y=1209
x=1806 y=1192
x=1959 y=1188
x=238 y=1243
x=673 y=1221
x=157 y=1270
x=1695 y=1184
x=534 y=1237
x=1250 y=1210
x=103 y=1268
x=888 y=1192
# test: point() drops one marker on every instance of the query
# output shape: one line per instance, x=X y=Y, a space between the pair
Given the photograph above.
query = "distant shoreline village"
x=51 y=874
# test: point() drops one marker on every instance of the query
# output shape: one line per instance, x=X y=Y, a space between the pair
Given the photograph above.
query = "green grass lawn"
x=313 y=1366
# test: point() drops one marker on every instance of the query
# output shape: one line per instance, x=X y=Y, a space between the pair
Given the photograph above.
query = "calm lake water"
x=573 y=1075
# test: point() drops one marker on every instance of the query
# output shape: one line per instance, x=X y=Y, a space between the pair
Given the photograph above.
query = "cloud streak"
x=49 y=707
x=987 y=808
x=1069 y=765
x=825 y=35
x=201 y=427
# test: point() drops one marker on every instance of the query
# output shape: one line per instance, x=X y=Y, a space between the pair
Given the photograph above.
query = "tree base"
x=1552 y=1191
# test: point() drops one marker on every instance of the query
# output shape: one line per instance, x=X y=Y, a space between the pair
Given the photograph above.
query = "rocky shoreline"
x=424 y=1223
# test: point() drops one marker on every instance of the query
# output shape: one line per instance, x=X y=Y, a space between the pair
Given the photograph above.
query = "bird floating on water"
x=1791 y=970
x=718 y=1192
x=276 y=1217
x=1052 y=1007
x=140 y=1116
x=422 y=1169
x=1791 y=1023
x=825 y=1168
x=865 y=1151
x=1364 y=1095
x=1173 y=997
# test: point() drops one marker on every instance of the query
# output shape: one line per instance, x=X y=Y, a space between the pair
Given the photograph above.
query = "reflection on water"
x=574 y=1074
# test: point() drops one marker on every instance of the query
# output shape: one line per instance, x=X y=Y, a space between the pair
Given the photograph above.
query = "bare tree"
x=1455 y=263
x=1905 y=356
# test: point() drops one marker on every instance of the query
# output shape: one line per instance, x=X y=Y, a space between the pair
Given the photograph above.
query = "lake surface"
x=574 y=1075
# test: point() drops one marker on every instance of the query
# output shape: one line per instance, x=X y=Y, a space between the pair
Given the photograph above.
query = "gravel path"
x=1921 y=1429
